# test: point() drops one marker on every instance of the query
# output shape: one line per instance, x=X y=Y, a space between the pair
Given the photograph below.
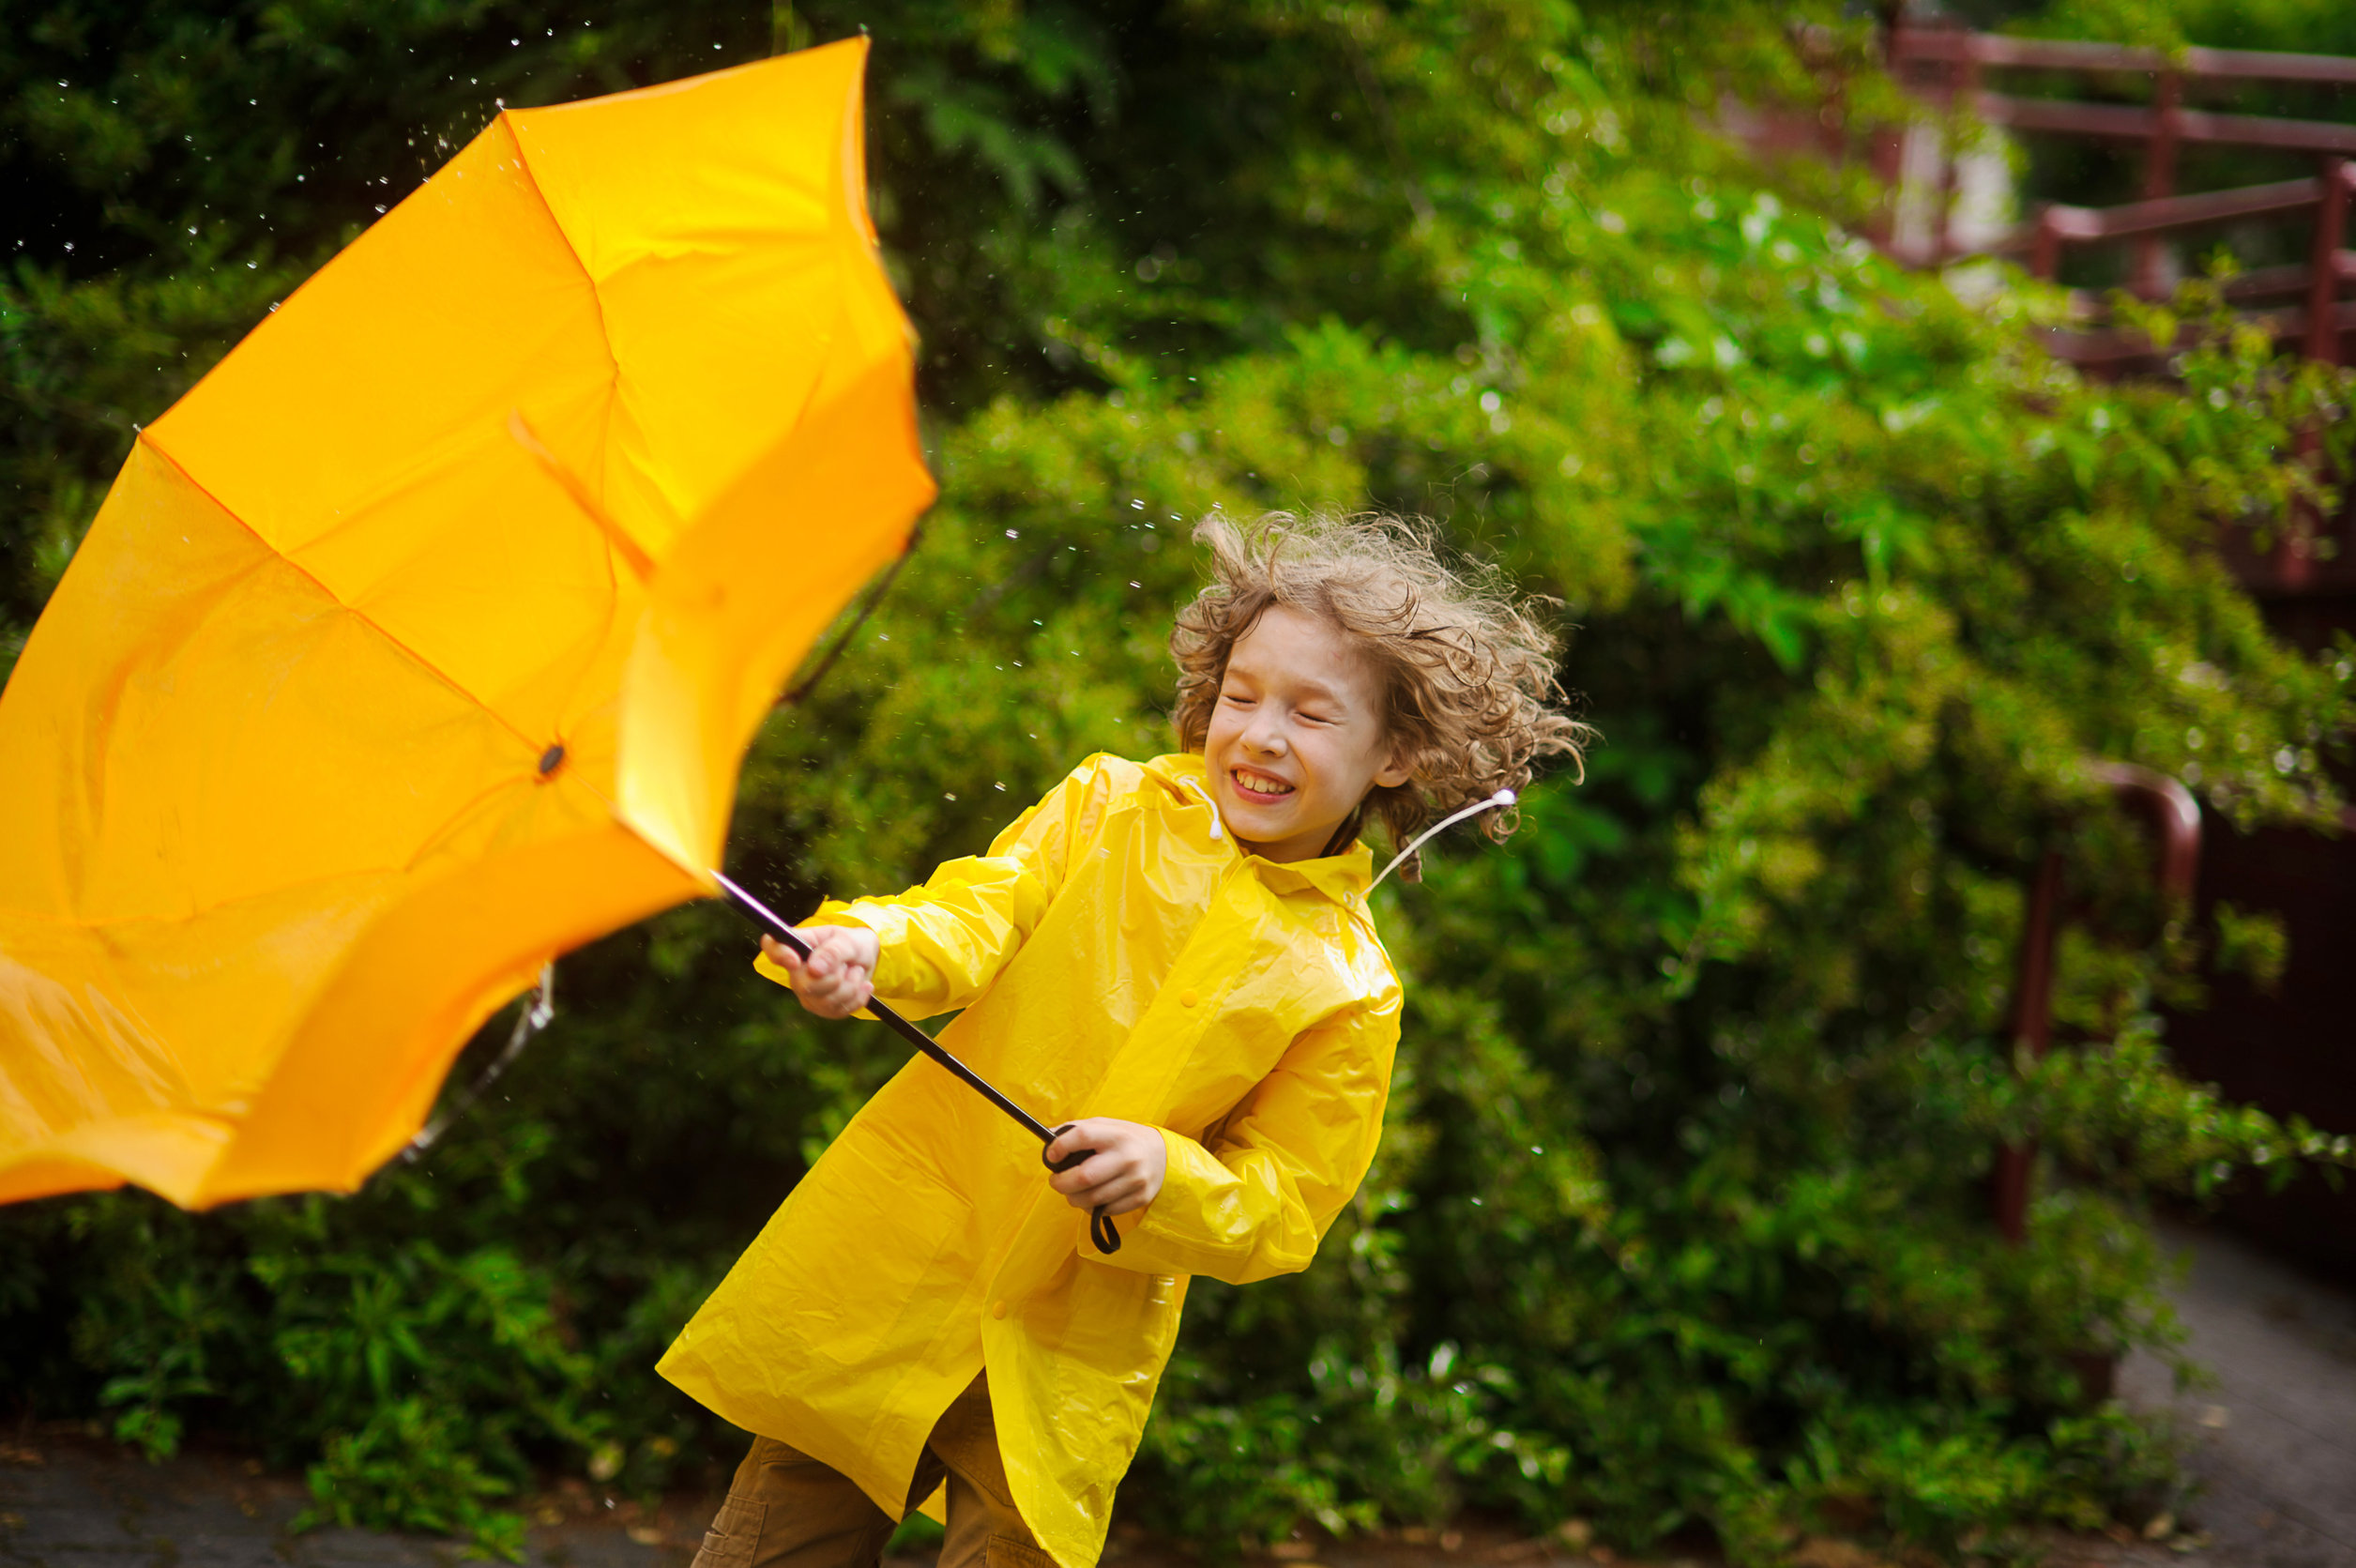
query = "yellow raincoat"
x=1116 y=955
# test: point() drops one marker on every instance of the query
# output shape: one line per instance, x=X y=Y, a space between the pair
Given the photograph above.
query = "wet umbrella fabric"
x=422 y=640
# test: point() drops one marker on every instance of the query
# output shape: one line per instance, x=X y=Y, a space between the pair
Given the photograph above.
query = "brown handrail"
x=2173 y=817
x=2126 y=122
x=1957 y=45
x=2320 y=280
x=2124 y=347
x=2291 y=281
x=2187 y=212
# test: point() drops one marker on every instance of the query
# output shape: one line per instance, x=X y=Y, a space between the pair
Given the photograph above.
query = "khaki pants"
x=786 y=1510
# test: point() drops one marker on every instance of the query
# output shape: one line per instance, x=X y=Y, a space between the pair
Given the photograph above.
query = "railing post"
x=1889 y=140
x=2159 y=177
x=2323 y=275
x=2032 y=1032
x=2294 y=557
x=2044 y=254
x=1963 y=96
x=1889 y=156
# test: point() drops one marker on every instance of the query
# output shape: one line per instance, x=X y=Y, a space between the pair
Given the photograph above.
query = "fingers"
x=841 y=999
x=1114 y=1197
x=1109 y=1139
x=1109 y=1179
x=1068 y=1140
x=1104 y=1166
x=1117 y=1177
x=1125 y=1172
x=834 y=981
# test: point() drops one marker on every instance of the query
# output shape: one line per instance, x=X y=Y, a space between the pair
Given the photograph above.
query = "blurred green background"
x=1681 y=1225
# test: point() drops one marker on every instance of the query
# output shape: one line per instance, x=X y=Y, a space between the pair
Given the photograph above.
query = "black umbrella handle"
x=1100 y=1229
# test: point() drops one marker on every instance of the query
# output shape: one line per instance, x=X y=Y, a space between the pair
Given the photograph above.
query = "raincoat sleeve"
x=1255 y=1196
x=942 y=942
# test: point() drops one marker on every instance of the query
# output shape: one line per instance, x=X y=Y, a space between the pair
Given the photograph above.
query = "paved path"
x=2275 y=1441
x=2274 y=1436
x=70 y=1503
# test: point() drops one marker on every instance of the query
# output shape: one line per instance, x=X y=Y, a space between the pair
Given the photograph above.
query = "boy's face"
x=1297 y=737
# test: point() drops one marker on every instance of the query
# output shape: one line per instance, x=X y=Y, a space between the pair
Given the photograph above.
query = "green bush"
x=1681 y=1222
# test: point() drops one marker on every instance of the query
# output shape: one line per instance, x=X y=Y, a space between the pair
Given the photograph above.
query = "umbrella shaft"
x=768 y=920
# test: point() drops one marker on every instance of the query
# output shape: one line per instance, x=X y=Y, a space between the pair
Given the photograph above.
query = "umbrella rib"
x=573 y=484
x=577 y=491
x=621 y=542
x=337 y=600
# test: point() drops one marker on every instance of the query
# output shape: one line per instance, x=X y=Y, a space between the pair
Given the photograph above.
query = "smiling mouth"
x=1255 y=785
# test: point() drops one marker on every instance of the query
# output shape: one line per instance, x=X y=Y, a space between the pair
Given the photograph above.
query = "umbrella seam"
x=613 y=385
x=596 y=299
x=335 y=598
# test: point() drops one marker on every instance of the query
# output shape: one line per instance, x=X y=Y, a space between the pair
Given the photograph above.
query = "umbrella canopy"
x=421 y=640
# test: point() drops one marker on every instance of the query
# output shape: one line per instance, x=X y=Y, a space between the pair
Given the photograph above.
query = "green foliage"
x=2252 y=943
x=396 y=1343
x=1680 y=1219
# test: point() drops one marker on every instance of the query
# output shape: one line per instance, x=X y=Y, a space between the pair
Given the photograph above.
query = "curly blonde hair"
x=1467 y=674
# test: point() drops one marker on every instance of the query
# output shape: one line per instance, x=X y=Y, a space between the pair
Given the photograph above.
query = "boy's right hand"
x=836 y=980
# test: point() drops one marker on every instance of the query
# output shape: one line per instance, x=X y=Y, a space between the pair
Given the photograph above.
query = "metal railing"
x=2173 y=819
x=1946 y=65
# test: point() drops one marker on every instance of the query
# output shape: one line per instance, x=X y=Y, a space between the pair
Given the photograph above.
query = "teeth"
x=1260 y=784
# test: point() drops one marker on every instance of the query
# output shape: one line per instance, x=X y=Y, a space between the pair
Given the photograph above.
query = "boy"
x=1175 y=955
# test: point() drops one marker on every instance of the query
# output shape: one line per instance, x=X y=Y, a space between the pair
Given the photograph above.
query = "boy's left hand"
x=1125 y=1173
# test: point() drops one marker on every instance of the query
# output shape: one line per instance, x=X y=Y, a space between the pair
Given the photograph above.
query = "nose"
x=1265 y=734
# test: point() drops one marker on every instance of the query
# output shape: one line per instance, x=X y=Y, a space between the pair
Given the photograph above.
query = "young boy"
x=1176 y=957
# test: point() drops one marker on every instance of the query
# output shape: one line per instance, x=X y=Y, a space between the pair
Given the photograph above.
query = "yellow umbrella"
x=422 y=640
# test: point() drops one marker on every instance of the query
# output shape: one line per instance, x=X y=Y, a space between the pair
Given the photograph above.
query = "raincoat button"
x=1187 y=997
x=997 y=1309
